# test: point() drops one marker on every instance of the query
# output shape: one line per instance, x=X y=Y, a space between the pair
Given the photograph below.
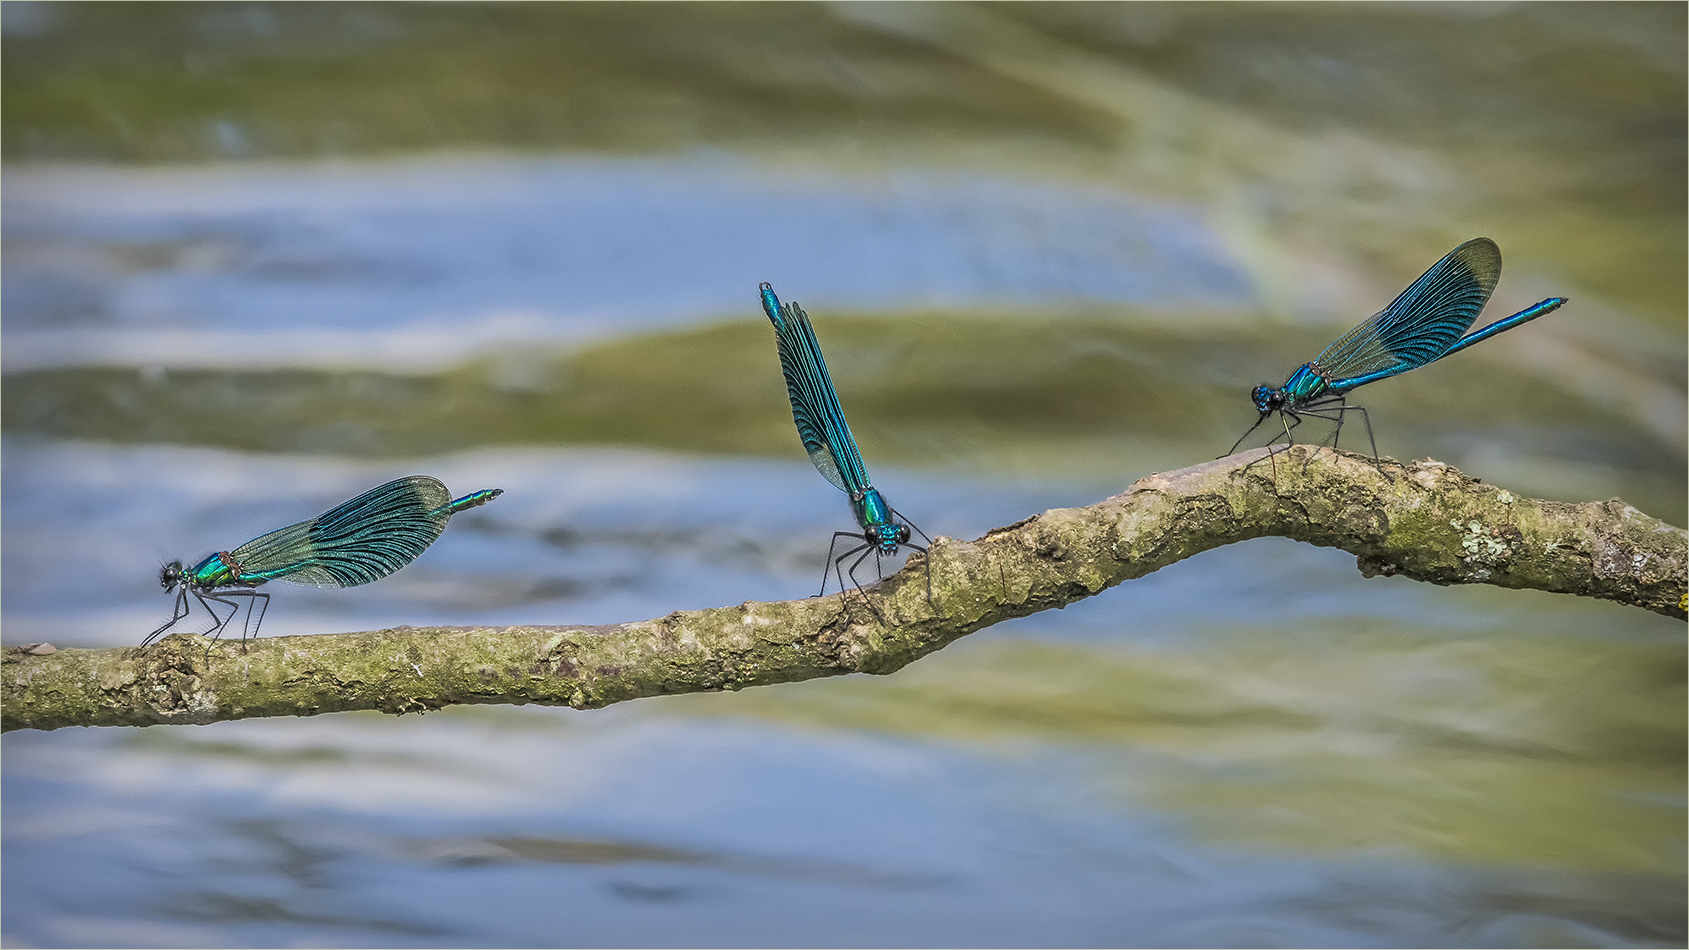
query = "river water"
x=1254 y=747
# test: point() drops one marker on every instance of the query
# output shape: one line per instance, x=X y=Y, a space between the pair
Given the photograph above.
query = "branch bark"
x=1426 y=521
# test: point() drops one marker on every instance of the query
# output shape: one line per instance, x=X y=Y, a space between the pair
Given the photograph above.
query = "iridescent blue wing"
x=815 y=404
x=1421 y=324
x=357 y=542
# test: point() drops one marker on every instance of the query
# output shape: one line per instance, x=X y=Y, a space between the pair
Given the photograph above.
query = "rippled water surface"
x=1046 y=254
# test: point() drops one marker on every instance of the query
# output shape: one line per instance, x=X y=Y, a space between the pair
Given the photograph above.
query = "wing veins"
x=359 y=541
x=815 y=403
x=1424 y=320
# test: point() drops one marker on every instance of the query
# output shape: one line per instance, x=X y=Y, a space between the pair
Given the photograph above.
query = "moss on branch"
x=1426 y=521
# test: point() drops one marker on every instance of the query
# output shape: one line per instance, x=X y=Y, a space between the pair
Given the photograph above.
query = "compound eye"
x=902 y=533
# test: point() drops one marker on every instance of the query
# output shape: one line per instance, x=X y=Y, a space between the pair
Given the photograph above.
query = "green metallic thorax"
x=871 y=509
x=220 y=570
x=874 y=515
x=1305 y=385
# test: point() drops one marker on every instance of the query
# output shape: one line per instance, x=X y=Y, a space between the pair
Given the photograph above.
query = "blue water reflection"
x=632 y=828
x=175 y=266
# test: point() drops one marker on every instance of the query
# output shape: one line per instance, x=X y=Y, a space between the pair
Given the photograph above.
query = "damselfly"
x=827 y=439
x=1422 y=325
x=357 y=542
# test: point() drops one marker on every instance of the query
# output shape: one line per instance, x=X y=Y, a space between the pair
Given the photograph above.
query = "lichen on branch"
x=1425 y=521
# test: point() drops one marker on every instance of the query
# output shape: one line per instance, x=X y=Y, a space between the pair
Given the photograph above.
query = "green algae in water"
x=1558 y=129
x=1351 y=734
x=1075 y=397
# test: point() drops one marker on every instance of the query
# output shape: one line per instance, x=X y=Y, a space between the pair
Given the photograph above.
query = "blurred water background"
x=260 y=257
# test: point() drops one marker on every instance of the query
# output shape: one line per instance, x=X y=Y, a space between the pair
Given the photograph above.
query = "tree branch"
x=1426 y=521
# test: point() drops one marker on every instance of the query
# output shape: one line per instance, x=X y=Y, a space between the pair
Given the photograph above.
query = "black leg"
x=222 y=597
x=925 y=560
x=830 y=562
x=177 y=612
x=1245 y=435
x=1367 y=420
x=1331 y=410
x=249 y=630
x=867 y=549
x=1370 y=441
x=838 y=567
x=1323 y=410
x=911 y=524
x=215 y=633
x=1334 y=410
x=1291 y=419
x=205 y=600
